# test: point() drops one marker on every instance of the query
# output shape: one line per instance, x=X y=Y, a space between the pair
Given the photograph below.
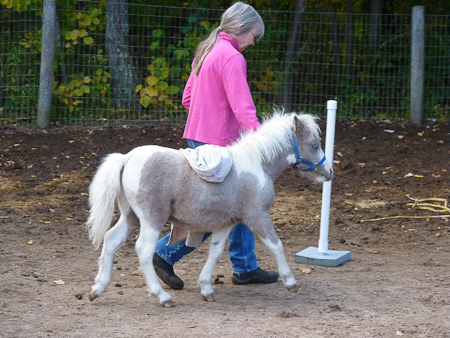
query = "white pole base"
x=312 y=256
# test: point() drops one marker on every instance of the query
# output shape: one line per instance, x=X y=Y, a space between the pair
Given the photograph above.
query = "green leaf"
x=85 y=89
x=145 y=101
x=154 y=45
x=138 y=88
x=161 y=85
x=75 y=83
x=77 y=92
x=205 y=24
x=158 y=62
x=150 y=91
x=192 y=19
x=159 y=73
x=172 y=90
x=157 y=33
x=74 y=34
x=88 y=40
x=180 y=53
x=152 y=80
x=164 y=73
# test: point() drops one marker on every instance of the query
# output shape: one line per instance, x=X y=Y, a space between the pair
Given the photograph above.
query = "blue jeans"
x=241 y=244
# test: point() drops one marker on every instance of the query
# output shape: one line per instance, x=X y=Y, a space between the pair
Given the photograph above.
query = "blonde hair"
x=239 y=19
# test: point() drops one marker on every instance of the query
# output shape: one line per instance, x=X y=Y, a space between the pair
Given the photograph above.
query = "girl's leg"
x=241 y=249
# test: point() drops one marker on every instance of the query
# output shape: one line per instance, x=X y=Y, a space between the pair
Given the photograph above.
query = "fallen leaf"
x=306 y=270
x=420 y=134
x=59 y=282
x=30 y=242
x=400 y=136
x=409 y=175
x=399 y=333
x=45 y=222
x=418 y=176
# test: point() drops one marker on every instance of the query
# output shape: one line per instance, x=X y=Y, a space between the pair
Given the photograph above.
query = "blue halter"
x=300 y=160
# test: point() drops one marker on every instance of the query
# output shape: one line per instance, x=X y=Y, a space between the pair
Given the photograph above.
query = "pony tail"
x=204 y=48
x=103 y=191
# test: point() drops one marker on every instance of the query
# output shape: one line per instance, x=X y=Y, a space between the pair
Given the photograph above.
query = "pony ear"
x=299 y=125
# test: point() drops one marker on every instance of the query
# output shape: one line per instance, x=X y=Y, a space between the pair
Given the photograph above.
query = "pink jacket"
x=219 y=100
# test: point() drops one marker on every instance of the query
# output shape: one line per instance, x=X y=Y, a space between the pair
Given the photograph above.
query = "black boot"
x=255 y=276
x=165 y=271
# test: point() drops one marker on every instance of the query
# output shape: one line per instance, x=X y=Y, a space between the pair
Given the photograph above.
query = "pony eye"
x=315 y=146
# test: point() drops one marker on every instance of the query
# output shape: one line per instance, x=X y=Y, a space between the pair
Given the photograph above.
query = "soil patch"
x=396 y=284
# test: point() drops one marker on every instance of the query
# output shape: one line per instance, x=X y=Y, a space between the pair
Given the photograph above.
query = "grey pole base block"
x=312 y=256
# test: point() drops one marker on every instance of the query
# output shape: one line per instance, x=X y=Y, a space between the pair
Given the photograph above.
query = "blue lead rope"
x=300 y=160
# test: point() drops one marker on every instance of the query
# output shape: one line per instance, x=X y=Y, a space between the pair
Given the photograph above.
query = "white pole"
x=326 y=190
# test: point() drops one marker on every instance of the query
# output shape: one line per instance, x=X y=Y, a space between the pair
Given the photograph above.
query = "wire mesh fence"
x=136 y=74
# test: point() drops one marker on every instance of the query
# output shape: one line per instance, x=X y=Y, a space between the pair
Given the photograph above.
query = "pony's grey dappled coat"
x=155 y=185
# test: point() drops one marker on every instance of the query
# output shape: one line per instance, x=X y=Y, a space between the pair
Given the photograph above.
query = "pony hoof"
x=209 y=298
x=168 y=303
x=92 y=295
x=293 y=288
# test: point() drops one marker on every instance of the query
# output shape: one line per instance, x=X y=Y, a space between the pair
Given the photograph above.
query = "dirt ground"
x=397 y=282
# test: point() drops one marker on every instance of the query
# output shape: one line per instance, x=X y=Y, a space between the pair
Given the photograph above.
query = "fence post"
x=47 y=63
x=417 y=63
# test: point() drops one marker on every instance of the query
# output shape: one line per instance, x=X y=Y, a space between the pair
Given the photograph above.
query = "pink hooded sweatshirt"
x=218 y=98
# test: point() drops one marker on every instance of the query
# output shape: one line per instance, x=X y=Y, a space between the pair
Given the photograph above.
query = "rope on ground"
x=439 y=205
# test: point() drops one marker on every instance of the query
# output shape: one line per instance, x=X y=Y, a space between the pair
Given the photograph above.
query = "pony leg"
x=216 y=247
x=145 y=248
x=113 y=239
x=269 y=237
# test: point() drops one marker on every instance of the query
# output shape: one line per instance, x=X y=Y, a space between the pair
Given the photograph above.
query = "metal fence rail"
x=368 y=75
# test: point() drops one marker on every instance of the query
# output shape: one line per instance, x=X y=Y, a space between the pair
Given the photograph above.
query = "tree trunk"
x=47 y=63
x=291 y=52
x=349 y=38
x=376 y=9
x=123 y=80
x=336 y=44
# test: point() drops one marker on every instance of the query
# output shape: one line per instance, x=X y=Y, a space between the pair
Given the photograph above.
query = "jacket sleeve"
x=234 y=75
x=187 y=92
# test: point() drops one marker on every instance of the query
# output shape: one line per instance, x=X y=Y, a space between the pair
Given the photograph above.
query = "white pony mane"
x=274 y=135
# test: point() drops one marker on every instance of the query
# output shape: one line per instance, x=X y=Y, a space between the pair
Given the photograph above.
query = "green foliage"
x=157 y=91
x=170 y=66
x=163 y=40
x=70 y=94
x=22 y=5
